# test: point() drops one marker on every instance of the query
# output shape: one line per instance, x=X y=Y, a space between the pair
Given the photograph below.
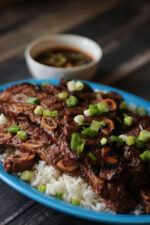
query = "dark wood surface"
x=122 y=28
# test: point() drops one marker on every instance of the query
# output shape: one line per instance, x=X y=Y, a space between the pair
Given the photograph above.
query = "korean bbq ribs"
x=82 y=133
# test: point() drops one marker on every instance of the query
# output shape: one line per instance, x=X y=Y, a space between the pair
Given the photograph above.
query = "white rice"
x=56 y=181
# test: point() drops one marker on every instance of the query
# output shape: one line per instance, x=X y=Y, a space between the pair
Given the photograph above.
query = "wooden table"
x=122 y=28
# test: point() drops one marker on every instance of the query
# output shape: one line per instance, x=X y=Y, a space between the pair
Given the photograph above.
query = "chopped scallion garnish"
x=84 y=124
x=59 y=195
x=144 y=136
x=91 y=156
x=129 y=140
x=102 y=124
x=145 y=156
x=141 y=111
x=50 y=113
x=103 y=141
x=39 y=110
x=138 y=143
x=79 y=119
x=128 y=120
x=95 y=125
x=77 y=143
x=13 y=129
x=102 y=107
x=123 y=105
x=71 y=85
x=89 y=132
x=62 y=95
x=26 y=175
x=42 y=188
x=22 y=135
x=114 y=138
x=79 y=86
x=75 y=202
x=72 y=101
x=33 y=100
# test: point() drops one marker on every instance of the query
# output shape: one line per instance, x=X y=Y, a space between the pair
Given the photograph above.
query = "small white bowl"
x=83 y=44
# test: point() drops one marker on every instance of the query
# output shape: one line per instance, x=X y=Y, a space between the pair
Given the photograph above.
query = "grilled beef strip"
x=38 y=143
x=19 y=162
x=104 y=175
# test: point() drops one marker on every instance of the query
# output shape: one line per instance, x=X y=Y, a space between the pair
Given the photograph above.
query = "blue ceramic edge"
x=65 y=207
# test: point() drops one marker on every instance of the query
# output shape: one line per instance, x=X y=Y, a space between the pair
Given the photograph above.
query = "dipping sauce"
x=63 y=57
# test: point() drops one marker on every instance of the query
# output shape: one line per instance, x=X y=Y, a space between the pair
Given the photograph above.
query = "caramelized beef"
x=19 y=162
x=117 y=174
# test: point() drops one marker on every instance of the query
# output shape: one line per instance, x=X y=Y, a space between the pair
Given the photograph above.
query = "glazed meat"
x=20 y=162
x=114 y=169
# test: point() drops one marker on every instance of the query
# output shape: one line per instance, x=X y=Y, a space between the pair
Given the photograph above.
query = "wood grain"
x=50 y=23
x=18 y=13
x=42 y=215
x=138 y=82
x=11 y=201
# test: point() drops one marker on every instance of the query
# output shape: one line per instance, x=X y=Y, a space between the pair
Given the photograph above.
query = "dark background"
x=122 y=28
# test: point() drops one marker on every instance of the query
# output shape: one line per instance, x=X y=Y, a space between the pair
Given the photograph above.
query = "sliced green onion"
x=144 y=136
x=84 y=124
x=45 y=84
x=138 y=143
x=145 y=156
x=13 y=129
x=63 y=95
x=123 y=137
x=50 y=113
x=39 y=110
x=26 y=175
x=117 y=139
x=62 y=60
x=79 y=86
x=91 y=156
x=77 y=143
x=95 y=125
x=71 y=85
x=102 y=107
x=124 y=114
x=129 y=140
x=128 y=120
x=87 y=112
x=72 y=101
x=32 y=100
x=93 y=110
x=102 y=124
x=141 y=111
x=75 y=202
x=79 y=119
x=114 y=138
x=103 y=141
x=98 y=108
x=120 y=143
x=123 y=105
x=89 y=132
x=59 y=195
x=42 y=188
x=22 y=135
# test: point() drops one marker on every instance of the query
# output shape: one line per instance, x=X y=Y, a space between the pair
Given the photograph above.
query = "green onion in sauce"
x=63 y=57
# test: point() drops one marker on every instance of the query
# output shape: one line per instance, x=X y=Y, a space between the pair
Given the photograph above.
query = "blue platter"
x=62 y=206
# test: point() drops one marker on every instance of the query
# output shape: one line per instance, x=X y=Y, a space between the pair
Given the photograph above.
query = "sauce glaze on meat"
x=118 y=175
